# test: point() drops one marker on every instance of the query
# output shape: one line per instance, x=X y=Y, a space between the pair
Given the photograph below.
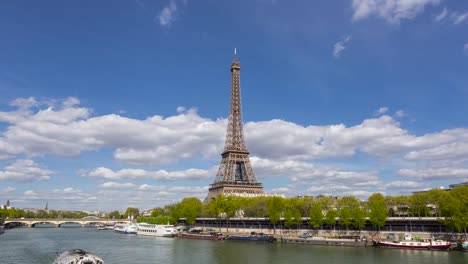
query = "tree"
x=191 y=208
x=275 y=206
x=131 y=212
x=175 y=212
x=418 y=205
x=316 y=216
x=359 y=218
x=378 y=211
x=326 y=202
x=158 y=212
x=115 y=215
x=292 y=216
x=457 y=208
x=256 y=207
x=330 y=218
x=345 y=217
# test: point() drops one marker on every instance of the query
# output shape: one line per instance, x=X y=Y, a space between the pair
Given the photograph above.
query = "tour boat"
x=253 y=237
x=408 y=243
x=2 y=229
x=156 y=230
x=126 y=228
x=77 y=256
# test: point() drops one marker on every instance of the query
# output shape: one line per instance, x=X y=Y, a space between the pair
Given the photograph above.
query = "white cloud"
x=392 y=11
x=111 y=196
x=459 y=18
x=455 y=17
x=65 y=128
x=117 y=185
x=436 y=173
x=25 y=171
x=30 y=193
x=167 y=15
x=340 y=46
x=163 y=175
x=442 y=15
x=70 y=131
x=400 y=113
x=406 y=185
x=8 y=189
x=382 y=110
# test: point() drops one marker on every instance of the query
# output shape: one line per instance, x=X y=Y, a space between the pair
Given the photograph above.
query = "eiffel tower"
x=235 y=174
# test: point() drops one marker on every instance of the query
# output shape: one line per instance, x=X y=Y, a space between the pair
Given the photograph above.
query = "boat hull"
x=202 y=236
x=252 y=238
x=436 y=245
x=336 y=242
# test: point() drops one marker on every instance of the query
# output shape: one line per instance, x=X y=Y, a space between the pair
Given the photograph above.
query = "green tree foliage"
x=292 y=216
x=274 y=208
x=326 y=202
x=316 y=216
x=132 y=211
x=115 y=214
x=456 y=207
x=418 y=204
x=330 y=218
x=159 y=212
x=345 y=217
x=256 y=207
x=378 y=211
x=159 y=220
x=224 y=206
x=359 y=218
x=190 y=209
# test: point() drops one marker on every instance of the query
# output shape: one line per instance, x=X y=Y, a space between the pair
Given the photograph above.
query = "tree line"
x=346 y=211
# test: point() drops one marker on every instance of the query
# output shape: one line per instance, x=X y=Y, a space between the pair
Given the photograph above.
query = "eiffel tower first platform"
x=235 y=174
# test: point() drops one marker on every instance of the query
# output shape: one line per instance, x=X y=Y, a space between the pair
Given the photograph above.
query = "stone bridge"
x=31 y=222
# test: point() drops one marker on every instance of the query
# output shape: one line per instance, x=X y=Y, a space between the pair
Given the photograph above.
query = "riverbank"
x=278 y=233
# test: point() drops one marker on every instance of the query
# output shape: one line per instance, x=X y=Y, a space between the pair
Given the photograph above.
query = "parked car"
x=305 y=235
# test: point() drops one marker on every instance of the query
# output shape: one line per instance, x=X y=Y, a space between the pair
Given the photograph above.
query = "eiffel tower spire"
x=235 y=174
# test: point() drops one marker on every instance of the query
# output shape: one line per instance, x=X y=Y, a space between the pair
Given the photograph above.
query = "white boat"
x=77 y=256
x=156 y=230
x=105 y=227
x=126 y=228
x=409 y=243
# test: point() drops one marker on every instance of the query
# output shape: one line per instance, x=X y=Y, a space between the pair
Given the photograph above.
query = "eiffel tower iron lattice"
x=235 y=174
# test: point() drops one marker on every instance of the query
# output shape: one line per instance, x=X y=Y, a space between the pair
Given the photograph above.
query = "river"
x=40 y=245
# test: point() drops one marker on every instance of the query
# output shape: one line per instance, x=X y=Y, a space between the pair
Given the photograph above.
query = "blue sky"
x=109 y=104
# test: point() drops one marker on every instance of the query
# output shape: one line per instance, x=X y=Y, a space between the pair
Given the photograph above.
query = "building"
x=235 y=174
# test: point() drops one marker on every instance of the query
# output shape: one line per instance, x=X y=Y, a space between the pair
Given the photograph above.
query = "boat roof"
x=78 y=256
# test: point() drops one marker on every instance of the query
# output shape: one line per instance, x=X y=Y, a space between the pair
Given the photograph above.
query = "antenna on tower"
x=235 y=53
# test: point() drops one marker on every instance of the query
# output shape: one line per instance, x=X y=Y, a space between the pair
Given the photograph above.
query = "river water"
x=40 y=245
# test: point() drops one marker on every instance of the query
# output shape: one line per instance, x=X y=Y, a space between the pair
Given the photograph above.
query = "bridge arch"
x=33 y=224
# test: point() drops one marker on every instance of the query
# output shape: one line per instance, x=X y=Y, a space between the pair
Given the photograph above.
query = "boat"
x=325 y=241
x=77 y=256
x=253 y=237
x=105 y=227
x=2 y=229
x=126 y=228
x=409 y=243
x=462 y=246
x=156 y=230
x=198 y=233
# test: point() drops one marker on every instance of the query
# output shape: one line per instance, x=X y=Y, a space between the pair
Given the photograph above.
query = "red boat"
x=408 y=243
